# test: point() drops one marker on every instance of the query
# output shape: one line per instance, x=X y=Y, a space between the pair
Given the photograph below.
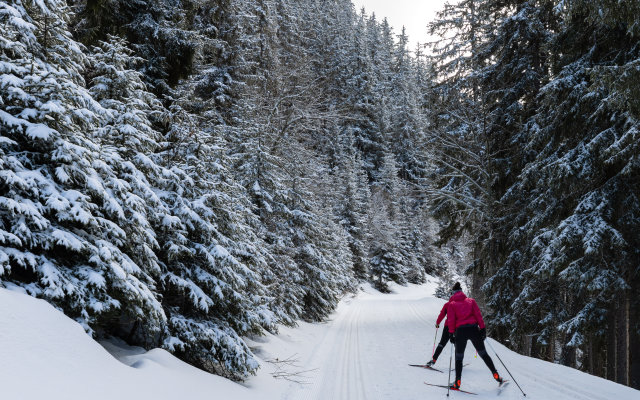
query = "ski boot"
x=498 y=378
x=430 y=363
x=456 y=385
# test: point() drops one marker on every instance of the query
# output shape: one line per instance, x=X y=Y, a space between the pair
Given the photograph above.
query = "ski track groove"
x=421 y=315
x=361 y=376
x=571 y=391
x=427 y=323
x=328 y=368
x=346 y=354
x=353 y=389
x=342 y=371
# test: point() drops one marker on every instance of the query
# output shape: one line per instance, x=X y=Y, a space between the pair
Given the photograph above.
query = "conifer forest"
x=187 y=173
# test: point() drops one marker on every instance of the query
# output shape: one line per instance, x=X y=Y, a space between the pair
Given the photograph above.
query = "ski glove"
x=452 y=338
x=483 y=333
x=437 y=325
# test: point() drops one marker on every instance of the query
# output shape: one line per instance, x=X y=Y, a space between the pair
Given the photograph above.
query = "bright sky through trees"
x=413 y=14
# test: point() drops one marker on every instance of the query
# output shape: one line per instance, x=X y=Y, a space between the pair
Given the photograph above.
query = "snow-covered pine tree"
x=387 y=260
x=381 y=47
x=406 y=137
x=352 y=206
x=282 y=123
x=161 y=33
x=219 y=62
x=406 y=140
x=210 y=295
x=582 y=240
x=127 y=143
x=360 y=98
x=243 y=26
x=61 y=238
x=189 y=208
x=510 y=86
x=459 y=194
x=331 y=47
x=256 y=171
x=324 y=258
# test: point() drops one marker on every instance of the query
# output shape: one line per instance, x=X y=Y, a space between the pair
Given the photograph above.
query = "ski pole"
x=434 y=342
x=450 y=358
x=505 y=367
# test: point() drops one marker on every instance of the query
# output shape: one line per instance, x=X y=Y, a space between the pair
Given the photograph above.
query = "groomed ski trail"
x=364 y=351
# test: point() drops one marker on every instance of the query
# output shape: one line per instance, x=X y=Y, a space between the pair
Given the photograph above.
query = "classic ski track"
x=357 y=360
x=420 y=314
x=348 y=356
x=571 y=391
x=425 y=321
x=342 y=362
x=328 y=369
x=343 y=356
x=319 y=360
x=361 y=374
x=345 y=367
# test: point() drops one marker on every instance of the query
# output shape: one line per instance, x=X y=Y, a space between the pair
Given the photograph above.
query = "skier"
x=445 y=335
x=465 y=323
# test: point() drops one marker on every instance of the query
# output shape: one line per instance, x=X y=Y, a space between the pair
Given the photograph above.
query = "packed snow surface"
x=362 y=353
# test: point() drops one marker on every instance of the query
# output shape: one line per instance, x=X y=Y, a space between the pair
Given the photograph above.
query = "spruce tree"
x=61 y=222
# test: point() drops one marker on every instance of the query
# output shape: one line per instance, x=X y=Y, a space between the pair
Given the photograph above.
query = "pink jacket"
x=463 y=310
x=443 y=312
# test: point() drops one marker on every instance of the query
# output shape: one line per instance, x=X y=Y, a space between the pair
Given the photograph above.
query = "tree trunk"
x=635 y=354
x=634 y=341
x=611 y=347
x=622 y=345
x=601 y=358
x=537 y=350
x=589 y=356
x=552 y=347
x=476 y=283
x=528 y=344
x=567 y=354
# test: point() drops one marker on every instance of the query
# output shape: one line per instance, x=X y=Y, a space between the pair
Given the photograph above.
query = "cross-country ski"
x=425 y=367
x=447 y=387
x=429 y=367
x=502 y=386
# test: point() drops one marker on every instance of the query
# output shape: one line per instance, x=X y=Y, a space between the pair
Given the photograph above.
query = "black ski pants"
x=443 y=342
x=470 y=332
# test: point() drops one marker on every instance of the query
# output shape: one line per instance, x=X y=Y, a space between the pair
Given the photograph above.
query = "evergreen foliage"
x=64 y=231
x=184 y=174
x=552 y=176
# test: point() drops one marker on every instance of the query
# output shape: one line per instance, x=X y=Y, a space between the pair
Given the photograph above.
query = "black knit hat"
x=456 y=287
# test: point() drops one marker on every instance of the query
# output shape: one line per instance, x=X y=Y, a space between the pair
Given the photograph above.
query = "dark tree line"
x=535 y=142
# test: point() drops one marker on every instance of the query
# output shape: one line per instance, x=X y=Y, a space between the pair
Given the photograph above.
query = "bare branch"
x=289 y=370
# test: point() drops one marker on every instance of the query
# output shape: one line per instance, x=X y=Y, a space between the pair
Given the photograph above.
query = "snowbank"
x=45 y=355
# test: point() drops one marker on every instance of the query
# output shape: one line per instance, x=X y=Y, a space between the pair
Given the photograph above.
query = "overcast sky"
x=413 y=14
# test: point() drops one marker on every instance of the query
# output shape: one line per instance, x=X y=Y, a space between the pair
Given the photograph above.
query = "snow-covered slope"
x=362 y=353
x=45 y=355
